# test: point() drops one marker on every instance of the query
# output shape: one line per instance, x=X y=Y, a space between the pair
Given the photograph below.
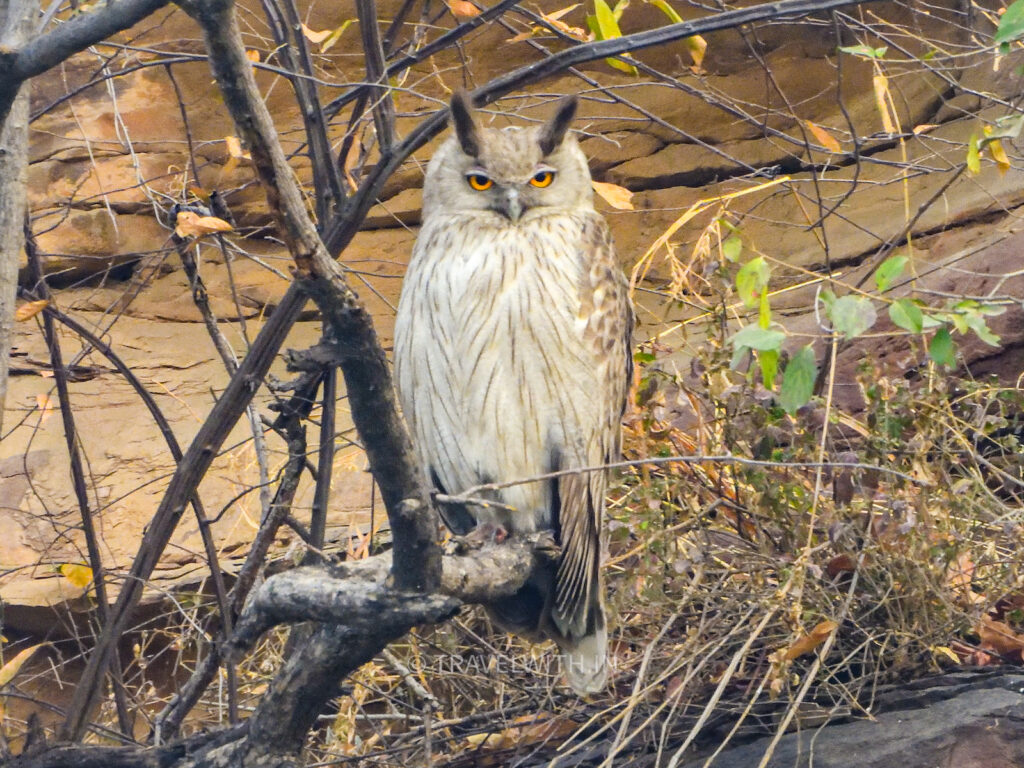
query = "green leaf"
x=977 y=324
x=1011 y=24
x=751 y=280
x=643 y=357
x=852 y=315
x=739 y=354
x=907 y=315
x=973 y=154
x=768 y=359
x=798 y=380
x=889 y=270
x=764 y=311
x=931 y=321
x=864 y=51
x=620 y=6
x=756 y=337
x=941 y=348
x=731 y=247
x=668 y=10
x=991 y=310
x=1008 y=127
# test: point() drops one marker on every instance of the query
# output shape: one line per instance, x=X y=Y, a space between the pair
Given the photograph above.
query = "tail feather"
x=583 y=642
x=585 y=661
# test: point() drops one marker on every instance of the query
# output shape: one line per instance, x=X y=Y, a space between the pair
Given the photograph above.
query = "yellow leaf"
x=522 y=36
x=315 y=36
x=668 y=10
x=30 y=310
x=462 y=8
x=995 y=148
x=190 y=224
x=942 y=650
x=253 y=56
x=616 y=196
x=811 y=640
x=697 y=46
x=12 y=667
x=826 y=139
x=924 y=128
x=881 y=85
x=334 y=37
x=79 y=575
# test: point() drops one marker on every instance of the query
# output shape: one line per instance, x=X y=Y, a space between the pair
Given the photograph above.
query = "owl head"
x=514 y=173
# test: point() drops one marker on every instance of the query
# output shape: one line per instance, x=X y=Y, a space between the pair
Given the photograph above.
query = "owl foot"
x=547 y=547
x=484 y=533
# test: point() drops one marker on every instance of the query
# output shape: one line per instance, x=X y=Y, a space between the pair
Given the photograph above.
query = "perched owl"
x=512 y=360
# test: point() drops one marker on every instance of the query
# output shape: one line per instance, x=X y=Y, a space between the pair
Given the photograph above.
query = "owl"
x=512 y=360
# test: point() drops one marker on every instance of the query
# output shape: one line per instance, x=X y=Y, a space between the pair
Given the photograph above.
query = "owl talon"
x=484 y=533
x=547 y=547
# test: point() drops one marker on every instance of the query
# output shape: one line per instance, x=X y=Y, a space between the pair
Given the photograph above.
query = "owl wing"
x=606 y=318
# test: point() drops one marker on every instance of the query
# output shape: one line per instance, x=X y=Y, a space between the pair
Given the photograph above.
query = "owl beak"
x=512 y=206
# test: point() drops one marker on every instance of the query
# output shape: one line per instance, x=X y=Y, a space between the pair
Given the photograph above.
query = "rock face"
x=108 y=164
x=960 y=720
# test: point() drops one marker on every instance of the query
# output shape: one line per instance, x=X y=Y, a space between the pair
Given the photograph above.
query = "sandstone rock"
x=692 y=165
x=609 y=149
x=401 y=210
x=74 y=243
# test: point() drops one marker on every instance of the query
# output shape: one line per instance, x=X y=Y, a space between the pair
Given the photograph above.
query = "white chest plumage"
x=498 y=333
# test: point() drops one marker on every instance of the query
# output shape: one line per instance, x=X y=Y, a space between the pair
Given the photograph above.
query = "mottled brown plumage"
x=512 y=359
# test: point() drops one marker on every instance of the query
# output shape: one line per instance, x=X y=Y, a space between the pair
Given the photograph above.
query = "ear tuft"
x=465 y=125
x=552 y=134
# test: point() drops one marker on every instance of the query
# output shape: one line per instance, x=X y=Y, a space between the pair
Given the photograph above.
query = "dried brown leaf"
x=462 y=9
x=30 y=309
x=616 y=196
x=811 y=640
x=315 y=36
x=191 y=224
x=998 y=636
x=826 y=139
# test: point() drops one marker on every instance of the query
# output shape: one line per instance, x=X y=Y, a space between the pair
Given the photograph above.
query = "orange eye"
x=479 y=182
x=543 y=179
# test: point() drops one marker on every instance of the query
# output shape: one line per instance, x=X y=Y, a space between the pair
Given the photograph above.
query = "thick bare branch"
x=383 y=106
x=15 y=23
x=357 y=595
